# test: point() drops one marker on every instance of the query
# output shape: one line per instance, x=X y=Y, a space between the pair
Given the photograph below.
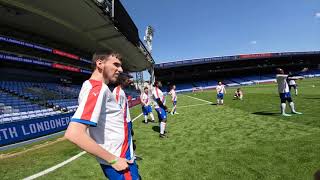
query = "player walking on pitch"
x=173 y=99
x=109 y=136
x=220 y=93
x=293 y=84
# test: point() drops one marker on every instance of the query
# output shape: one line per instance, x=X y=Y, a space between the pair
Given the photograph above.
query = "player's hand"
x=121 y=164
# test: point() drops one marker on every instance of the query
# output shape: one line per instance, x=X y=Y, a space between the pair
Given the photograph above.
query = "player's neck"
x=96 y=75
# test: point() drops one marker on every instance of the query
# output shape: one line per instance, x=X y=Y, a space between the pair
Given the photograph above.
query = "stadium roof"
x=82 y=24
x=190 y=62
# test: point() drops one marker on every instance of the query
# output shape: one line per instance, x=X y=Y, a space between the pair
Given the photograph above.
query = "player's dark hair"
x=145 y=88
x=280 y=71
x=122 y=78
x=103 y=54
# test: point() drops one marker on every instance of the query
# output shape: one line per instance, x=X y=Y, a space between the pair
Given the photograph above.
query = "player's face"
x=220 y=83
x=174 y=87
x=146 y=91
x=127 y=82
x=112 y=69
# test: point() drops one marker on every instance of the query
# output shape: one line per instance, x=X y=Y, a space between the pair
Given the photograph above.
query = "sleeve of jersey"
x=89 y=109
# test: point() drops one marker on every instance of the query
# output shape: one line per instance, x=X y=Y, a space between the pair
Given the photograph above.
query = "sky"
x=186 y=29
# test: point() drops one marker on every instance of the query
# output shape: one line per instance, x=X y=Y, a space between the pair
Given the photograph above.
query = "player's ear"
x=100 y=63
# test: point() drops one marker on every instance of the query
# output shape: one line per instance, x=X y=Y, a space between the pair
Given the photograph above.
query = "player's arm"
x=159 y=102
x=224 y=90
x=282 y=76
x=77 y=134
x=292 y=78
x=77 y=129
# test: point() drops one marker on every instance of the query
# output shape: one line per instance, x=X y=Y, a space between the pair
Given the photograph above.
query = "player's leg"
x=173 y=111
x=134 y=171
x=218 y=99
x=175 y=108
x=112 y=174
x=150 y=113
x=235 y=96
x=163 y=119
x=293 y=110
x=221 y=99
x=283 y=105
x=145 y=114
x=295 y=90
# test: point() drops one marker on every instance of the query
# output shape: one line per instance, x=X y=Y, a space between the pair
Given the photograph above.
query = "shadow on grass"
x=156 y=129
x=265 y=113
x=314 y=98
x=213 y=104
x=149 y=121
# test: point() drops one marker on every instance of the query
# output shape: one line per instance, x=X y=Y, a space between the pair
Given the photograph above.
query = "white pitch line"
x=55 y=167
x=194 y=105
x=136 y=117
x=63 y=163
x=198 y=99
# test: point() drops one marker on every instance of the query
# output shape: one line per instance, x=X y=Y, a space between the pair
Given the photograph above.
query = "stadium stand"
x=239 y=81
x=238 y=70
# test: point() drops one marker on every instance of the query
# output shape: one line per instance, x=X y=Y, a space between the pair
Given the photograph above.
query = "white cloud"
x=253 y=42
x=317 y=15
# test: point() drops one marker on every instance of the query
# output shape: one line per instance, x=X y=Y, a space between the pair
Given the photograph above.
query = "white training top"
x=282 y=83
x=292 y=82
x=220 y=89
x=122 y=100
x=157 y=93
x=173 y=95
x=108 y=127
x=145 y=98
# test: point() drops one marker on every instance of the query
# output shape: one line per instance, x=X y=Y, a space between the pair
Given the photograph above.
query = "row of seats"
x=22 y=89
x=27 y=116
x=63 y=103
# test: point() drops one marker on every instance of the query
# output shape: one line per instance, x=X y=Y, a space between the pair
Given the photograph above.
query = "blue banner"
x=29 y=129
x=32 y=45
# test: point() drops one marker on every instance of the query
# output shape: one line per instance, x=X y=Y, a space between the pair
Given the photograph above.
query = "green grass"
x=241 y=140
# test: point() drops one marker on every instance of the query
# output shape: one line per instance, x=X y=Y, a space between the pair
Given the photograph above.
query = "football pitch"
x=246 y=139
